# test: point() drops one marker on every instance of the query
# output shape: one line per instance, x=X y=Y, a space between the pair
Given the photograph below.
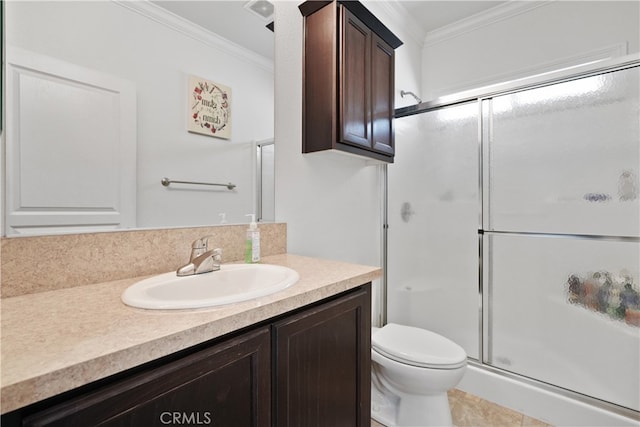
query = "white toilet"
x=411 y=371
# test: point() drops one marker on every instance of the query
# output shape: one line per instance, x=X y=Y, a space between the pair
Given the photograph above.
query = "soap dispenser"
x=252 y=242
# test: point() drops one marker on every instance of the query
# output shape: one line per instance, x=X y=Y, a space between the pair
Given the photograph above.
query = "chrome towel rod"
x=167 y=181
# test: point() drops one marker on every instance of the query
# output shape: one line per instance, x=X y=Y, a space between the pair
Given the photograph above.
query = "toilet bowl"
x=411 y=371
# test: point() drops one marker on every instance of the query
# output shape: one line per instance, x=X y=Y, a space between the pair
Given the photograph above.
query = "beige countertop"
x=55 y=341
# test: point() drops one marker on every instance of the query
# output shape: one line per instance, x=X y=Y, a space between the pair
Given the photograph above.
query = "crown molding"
x=400 y=17
x=194 y=31
x=490 y=16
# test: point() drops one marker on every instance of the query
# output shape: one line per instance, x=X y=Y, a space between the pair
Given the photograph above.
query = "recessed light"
x=261 y=8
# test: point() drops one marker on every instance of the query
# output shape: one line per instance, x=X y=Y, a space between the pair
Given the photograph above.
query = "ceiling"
x=433 y=14
x=231 y=20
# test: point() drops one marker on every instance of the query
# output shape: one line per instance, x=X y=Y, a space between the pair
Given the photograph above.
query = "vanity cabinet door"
x=227 y=384
x=355 y=82
x=323 y=369
x=382 y=102
x=366 y=87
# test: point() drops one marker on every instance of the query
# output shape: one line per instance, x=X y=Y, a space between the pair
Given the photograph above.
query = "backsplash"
x=44 y=263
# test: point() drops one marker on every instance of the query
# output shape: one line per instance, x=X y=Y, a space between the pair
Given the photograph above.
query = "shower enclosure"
x=514 y=230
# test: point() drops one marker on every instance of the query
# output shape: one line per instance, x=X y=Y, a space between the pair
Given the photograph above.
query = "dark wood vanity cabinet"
x=323 y=365
x=348 y=95
x=227 y=385
x=309 y=367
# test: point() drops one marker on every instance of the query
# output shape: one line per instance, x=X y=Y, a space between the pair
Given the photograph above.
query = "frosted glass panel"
x=433 y=224
x=565 y=158
x=566 y=311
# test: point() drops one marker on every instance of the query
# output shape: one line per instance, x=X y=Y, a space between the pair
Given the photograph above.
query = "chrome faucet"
x=202 y=259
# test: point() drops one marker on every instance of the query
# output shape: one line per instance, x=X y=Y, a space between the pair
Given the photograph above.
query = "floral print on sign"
x=210 y=112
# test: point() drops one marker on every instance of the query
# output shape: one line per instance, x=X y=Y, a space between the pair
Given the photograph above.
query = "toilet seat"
x=418 y=347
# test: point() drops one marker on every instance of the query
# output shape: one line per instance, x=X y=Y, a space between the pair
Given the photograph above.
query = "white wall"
x=331 y=202
x=105 y=36
x=525 y=38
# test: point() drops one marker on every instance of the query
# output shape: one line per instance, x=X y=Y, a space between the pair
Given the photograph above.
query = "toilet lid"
x=418 y=347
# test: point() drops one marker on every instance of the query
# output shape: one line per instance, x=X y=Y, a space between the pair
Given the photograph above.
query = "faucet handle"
x=199 y=246
x=206 y=240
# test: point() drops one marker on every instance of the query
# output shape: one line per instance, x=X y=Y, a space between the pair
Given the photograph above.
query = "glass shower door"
x=434 y=213
x=561 y=248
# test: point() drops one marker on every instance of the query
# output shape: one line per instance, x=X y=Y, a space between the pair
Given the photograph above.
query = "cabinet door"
x=355 y=82
x=382 y=103
x=225 y=385
x=323 y=370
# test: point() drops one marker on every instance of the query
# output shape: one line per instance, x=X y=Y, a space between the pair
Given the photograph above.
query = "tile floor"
x=468 y=410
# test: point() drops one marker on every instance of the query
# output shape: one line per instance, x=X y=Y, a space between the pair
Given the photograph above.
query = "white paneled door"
x=71 y=147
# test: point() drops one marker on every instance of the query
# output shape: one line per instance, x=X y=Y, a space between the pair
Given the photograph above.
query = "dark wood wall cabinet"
x=348 y=95
x=310 y=367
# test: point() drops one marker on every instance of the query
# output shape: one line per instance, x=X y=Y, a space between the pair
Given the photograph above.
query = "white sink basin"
x=232 y=283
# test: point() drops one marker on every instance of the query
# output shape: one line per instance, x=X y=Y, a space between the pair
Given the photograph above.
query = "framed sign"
x=209 y=108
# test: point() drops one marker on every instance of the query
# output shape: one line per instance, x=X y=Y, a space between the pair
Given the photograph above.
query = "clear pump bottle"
x=252 y=242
